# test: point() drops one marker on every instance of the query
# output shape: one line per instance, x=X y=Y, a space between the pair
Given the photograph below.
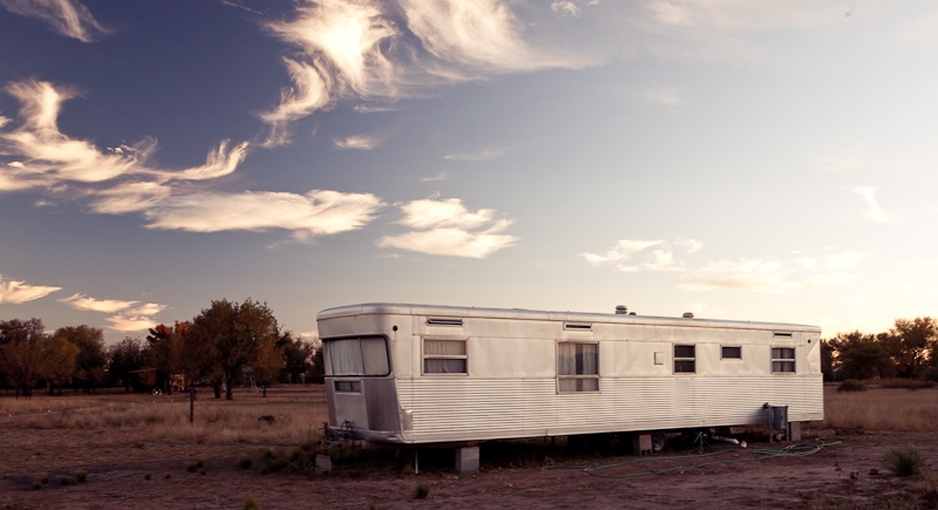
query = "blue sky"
x=741 y=160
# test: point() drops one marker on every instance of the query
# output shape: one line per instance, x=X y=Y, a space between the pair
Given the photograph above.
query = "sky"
x=764 y=161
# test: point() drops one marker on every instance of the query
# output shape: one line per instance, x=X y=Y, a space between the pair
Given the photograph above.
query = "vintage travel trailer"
x=419 y=374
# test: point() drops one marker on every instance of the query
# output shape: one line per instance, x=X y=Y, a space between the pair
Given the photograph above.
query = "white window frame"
x=444 y=357
x=577 y=377
x=781 y=360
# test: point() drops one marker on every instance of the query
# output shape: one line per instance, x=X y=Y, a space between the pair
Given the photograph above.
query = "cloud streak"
x=447 y=227
x=67 y=17
x=376 y=50
x=128 y=316
x=17 y=292
x=874 y=211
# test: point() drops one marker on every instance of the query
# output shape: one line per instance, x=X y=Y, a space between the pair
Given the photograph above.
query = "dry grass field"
x=122 y=450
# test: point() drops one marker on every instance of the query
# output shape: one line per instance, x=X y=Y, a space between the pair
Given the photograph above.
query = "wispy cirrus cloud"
x=480 y=155
x=376 y=50
x=447 y=227
x=127 y=316
x=874 y=211
x=780 y=274
x=318 y=212
x=119 y=180
x=664 y=96
x=357 y=142
x=17 y=292
x=69 y=18
x=42 y=156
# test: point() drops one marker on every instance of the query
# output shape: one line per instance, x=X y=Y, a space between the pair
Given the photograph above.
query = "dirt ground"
x=848 y=472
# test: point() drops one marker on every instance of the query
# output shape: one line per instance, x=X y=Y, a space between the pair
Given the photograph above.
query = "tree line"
x=909 y=350
x=227 y=344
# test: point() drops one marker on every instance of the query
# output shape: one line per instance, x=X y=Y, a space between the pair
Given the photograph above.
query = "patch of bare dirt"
x=846 y=473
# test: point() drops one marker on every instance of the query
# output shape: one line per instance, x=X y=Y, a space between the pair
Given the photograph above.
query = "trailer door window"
x=577 y=367
x=685 y=359
x=357 y=356
x=783 y=359
x=444 y=357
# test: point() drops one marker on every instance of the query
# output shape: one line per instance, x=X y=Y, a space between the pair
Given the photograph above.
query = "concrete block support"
x=467 y=459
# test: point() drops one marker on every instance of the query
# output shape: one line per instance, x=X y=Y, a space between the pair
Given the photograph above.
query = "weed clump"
x=421 y=491
x=81 y=476
x=250 y=504
x=851 y=385
x=196 y=465
x=303 y=458
x=245 y=460
x=904 y=460
x=272 y=463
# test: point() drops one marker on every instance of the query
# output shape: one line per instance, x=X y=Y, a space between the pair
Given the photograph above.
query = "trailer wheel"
x=659 y=441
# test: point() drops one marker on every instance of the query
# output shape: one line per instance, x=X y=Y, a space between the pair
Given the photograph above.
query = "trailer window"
x=577 y=367
x=731 y=352
x=444 y=357
x=357 y=356
x=783 y=359
x=685 y=359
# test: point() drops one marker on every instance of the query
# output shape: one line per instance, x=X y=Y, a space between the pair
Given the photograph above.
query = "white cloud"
x=47 y=157
x=357 y=142
x=874 y=211
x=318 y=212
x=447 y=227
x=129 y=197
x=81 y=302
x=660 y=259
x=565 y=7
x=69 y=18
x=482 y=155
x=665 y=96
x=128 y=315
x=17 y=292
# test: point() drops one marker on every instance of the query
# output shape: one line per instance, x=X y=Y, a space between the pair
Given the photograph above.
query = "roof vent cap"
x=622 y=310
x=688 y=315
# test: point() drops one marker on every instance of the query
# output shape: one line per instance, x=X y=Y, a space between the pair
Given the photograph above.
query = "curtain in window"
x=357 y=356
x=444 y=347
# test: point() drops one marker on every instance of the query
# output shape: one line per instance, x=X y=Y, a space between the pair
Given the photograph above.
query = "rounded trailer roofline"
x=381 y=308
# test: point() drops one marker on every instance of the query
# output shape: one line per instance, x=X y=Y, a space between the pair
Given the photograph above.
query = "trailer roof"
x=524 y=314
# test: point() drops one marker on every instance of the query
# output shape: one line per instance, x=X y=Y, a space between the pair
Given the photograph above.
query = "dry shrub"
x=904 y=460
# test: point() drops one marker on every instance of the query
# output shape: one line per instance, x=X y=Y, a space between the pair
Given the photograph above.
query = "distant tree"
x=164 y=352
x=21 y=351
x=234 y=337
x=297 y=357
x=58 y=363
x=860 y=356
x=911 y=342
x=91 y=362
x=317 y=372
x=123 y=358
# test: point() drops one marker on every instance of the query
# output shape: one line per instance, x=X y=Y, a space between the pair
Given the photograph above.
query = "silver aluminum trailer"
x=420 y=374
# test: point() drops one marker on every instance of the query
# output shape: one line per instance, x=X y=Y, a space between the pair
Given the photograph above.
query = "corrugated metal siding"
x=463 y=409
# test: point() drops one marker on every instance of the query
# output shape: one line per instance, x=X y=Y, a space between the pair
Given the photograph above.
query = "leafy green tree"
x=91 y=362
x=234 y=337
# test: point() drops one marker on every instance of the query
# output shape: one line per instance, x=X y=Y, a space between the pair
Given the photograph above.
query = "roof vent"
x=622 y=310
x=688 y=315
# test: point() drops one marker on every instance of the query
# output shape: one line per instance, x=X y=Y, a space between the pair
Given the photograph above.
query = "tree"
x=58 y=363
x=123 y=358
x=911 y=343
x=164 y=352
x=234 y=337
x=297 y=357
x=21 y=352
x=91 y=362
x=861 y=356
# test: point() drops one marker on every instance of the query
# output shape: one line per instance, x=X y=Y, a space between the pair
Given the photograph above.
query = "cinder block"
x=467 y=459
x=641 y=444
x=323 y=464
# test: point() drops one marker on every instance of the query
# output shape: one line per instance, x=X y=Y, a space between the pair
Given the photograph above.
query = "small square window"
x=731 y=352
x=577 y=367
x=445 y=357
x=685 y=359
